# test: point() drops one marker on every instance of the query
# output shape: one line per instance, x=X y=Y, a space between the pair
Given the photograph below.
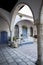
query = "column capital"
x=36 y=22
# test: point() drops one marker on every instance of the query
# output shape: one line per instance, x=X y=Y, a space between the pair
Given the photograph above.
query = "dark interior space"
x=7 y=4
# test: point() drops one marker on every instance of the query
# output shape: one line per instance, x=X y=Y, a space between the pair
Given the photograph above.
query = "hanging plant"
x=20 y=16
x=24 y=26
x=21 y=34
x=35 y=36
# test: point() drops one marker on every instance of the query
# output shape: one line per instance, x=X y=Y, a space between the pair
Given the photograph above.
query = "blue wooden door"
x=3 y=37
x=24 y=31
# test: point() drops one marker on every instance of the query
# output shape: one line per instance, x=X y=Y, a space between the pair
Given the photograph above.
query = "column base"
x=38 y=62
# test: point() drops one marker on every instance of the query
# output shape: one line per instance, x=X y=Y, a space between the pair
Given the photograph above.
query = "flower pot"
x=15 y=44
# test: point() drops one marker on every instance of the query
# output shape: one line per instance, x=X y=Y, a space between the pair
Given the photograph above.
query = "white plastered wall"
x=28 y=24
x=4 y=26
x=5 y=21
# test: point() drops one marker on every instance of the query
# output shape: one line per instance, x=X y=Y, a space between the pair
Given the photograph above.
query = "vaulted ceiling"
x=34 y=4
x=7 y=4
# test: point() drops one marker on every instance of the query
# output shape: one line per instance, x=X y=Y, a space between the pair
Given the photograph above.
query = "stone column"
x=20 y=31
x=12 y=34
x=28 y=32
x=40 y=44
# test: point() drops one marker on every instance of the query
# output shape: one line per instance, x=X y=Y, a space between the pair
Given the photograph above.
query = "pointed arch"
x=15 y=11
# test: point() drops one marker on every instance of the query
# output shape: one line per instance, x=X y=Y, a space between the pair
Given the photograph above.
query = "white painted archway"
x=6 y=15
x=31 y=4
x=5 y=21
x=15 y=12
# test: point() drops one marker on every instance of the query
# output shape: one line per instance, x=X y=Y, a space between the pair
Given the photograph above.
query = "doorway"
x=3 y=37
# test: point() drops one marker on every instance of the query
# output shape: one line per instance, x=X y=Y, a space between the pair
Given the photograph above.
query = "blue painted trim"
x=25 y=43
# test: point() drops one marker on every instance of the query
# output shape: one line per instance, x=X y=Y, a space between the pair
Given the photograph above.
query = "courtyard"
x=23 y=55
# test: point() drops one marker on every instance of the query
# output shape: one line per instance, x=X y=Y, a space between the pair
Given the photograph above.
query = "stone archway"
x=28 y=25
x=33 y=9
x=5 y=15
x=17 y=7
x=4 y=21
x=31 y=4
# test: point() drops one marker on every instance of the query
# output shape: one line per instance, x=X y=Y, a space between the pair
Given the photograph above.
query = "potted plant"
x=35 y=36
x=24 y=26
x=14 y=38
x=15 y=44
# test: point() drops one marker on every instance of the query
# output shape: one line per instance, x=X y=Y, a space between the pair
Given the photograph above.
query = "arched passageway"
x=36 y=20
x=13 y=20
x=34 y=4
x=17 y=8
x=4 y=26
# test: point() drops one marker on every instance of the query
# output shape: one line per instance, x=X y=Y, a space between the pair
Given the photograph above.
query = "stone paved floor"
x=17 y=56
